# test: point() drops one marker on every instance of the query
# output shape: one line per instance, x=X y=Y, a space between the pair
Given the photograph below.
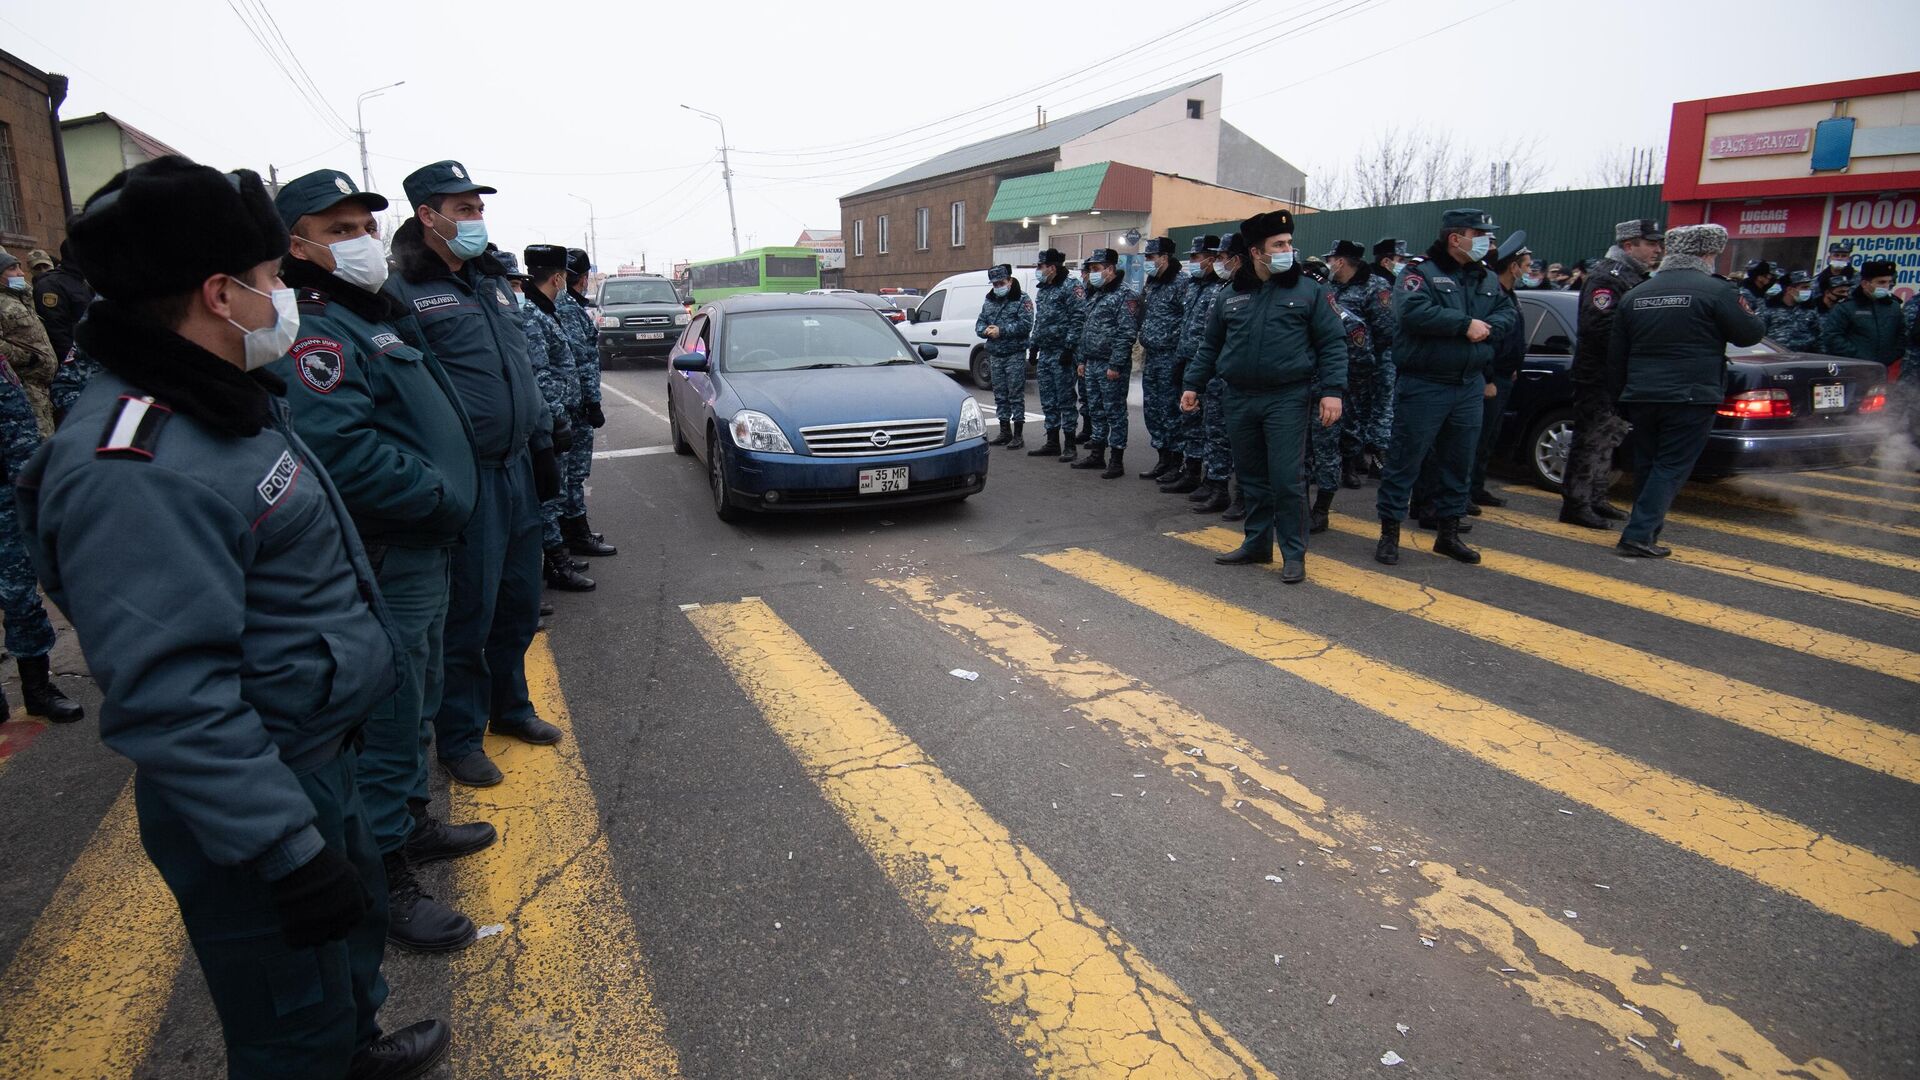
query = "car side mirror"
x=929 y=351
x=690 y=361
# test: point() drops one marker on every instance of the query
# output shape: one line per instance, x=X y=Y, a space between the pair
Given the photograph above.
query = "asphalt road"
x=1558 y=815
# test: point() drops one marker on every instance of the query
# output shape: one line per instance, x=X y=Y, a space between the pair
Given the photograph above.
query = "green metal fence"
x=1561 y=225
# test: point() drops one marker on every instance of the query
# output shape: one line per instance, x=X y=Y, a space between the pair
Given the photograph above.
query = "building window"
x=880 y=234
x=860 y=237
x=959 y=216
x=1196 y=109
x=922 y=226
x=12 y=219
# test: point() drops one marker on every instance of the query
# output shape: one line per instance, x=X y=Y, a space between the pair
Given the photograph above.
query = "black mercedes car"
x=1784 y=412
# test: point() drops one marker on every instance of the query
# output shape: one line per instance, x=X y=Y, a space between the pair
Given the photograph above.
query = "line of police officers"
x=297 y=511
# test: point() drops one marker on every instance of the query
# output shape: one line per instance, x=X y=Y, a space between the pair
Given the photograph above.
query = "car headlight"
x=971 y=424
x=681 y=319
x=757 y=431
x=609 y=322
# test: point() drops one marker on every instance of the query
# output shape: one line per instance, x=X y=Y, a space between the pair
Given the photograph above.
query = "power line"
x=691 y=173
x=274 y=24
x=318 y=105
x=491 y=171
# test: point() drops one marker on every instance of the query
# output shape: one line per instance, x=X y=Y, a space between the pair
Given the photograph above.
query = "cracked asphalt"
x=1559 y=815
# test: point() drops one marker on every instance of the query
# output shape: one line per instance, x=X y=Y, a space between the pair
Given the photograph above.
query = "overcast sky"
x=547 y=101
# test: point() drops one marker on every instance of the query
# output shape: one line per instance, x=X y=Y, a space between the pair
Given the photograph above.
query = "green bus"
x=762 y=270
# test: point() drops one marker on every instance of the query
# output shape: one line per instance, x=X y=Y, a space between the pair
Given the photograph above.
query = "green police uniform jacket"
x=1864 y=328
x=224 y=604
x=1436 y=299
x=1670 y=337
x=380 y=412
x=1271 y=335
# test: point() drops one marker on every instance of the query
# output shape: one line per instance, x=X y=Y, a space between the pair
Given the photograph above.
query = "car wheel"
x=723 y=507
x=1547 y=446
x=680 y=443
x=980 y=369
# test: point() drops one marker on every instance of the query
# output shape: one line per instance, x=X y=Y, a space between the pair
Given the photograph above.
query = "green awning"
x=1068 y=191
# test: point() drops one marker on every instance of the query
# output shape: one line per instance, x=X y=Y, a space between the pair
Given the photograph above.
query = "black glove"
x=595 y=417
x=1066 y=359
x=321 y=901
x=1033 y=355
x=562 y=434
x=546 y=473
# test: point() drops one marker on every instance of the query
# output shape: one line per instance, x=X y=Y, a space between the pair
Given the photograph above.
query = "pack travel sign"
x=1759 y=143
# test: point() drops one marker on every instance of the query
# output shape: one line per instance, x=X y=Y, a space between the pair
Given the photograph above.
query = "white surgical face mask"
x=1096 y=279
x=270 y=343
x=360 y=261
x=1882 y=294
x=1280 y=262
x=1839 y=264
x=1220 y=271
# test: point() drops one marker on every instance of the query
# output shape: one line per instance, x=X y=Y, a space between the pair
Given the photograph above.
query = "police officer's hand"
x=1478 y=331
x=1113 y=374
x=993 y=331
x=546 y=473
x=1066 y=358
x=1080 y=370
x=1490 y=391
x=1330 y=409
x=596 y=417
x=562 y=434
x=320 y=901
x=1189 y=401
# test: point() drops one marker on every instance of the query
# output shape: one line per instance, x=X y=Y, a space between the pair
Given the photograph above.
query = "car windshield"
x=811 y=338
x=637 y=292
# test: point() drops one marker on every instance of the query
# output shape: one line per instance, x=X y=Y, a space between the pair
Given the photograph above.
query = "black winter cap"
x=1159 y=245
x=164 y=226
x=548 y=257
x=1389 y=248
x=578 y=261
x=1257 y=228
x=1051 y=257
x=1207 y=244
x=1347 y=249
x=1874 y=268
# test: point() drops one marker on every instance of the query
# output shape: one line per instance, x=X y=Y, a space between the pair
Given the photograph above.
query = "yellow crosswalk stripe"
x=85 y=992
x=1804 y=541
x=1699 y=493
x=1908 y=487
x=1828 y=493
x=1786 y=634
x=1777 y=576
x=1907 y=476
x=1076 y=996
x=1264 y=794
x=562 y=990
x=1835 y=876
x=1839 y=735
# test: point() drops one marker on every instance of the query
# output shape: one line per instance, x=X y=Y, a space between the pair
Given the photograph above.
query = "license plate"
x=1827 y=397
x=648 y=337
x=883 y=481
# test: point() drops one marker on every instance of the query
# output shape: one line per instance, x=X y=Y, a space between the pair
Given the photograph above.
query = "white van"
x=945 y=317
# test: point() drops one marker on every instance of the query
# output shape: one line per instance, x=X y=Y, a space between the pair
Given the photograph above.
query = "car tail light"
x=1874 y=399
x=1758 y=405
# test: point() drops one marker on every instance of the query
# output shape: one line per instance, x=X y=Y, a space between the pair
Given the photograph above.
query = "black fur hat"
x=577 y=261
x=1874 y=268
x=1257 y=228
x=163 y=227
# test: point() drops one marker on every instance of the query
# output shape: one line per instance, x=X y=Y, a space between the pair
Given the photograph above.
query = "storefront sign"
x=1769 y=218
x=1882 y=227
x=1758 y=144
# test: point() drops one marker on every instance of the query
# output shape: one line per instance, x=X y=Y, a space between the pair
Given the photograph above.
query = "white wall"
x=1159 y=137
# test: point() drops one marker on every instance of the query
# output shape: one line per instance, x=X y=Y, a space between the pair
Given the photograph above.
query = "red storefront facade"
x=1789 y=171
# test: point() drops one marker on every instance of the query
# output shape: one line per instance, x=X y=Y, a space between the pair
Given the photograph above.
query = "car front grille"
x=647 y=320
x=874 y=439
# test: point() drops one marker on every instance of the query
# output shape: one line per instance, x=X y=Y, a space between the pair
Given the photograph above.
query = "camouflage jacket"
x=1013 y=314
x=1107 y=335
x=582 y=337
x=1796 y=327
x=75 y=369
x=552 y=359
x=1058 y=312
x=24 y=341
x=19 y=427
x=1370 y=298
x=1193 y=320
x=1163 y=302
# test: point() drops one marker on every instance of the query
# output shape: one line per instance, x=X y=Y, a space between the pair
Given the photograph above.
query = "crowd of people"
x=297 y=494
x=1266 y=372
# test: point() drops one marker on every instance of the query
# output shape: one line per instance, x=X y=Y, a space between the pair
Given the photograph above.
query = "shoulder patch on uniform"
x=381 y=341
x=1601 y=298
x=435 y=302
x=320 y=363
x=279 y=479
x=50 y=299
x=500 y=293
x=310 y=296
x=1647 y=303
x=133 y=429
x=1412 y=282
x=1385 y=296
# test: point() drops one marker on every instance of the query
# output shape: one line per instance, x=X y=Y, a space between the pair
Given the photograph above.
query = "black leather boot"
x=1049 y=448
x=434 y=840
x=1604 y=509
x=1447 y=542
x=1581 y=515
x=561 y=574
x=1217 y=500
x=1388 y=549
x=1483 y=497
x=1006 y=434
x=1189 y=479
x=1353 y=470
x=1096 y=458
x=1163 y=460
x=1067 y=452
x=411 y=1052
x=1116 y=465
x=1254 y=549
x=582 y=540
x=415 y=921
x=1085 y=435
x=1203 y=493
x=1236 y=506
x=41 y=697
x=1019 y=440
x=1317 y=518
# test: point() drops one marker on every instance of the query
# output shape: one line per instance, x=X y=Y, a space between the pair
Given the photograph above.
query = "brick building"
x=33 y=175
x=921 y=224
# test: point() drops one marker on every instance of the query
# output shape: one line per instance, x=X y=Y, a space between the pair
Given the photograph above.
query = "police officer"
x=24 y=341
x=1189 y=435
x=1597 y=427
x=1233 y=266
x=1448 y=311
x=1792 y=322
x=571 y=307
x=382 y=416
x=1759 y=285
x=239 y=654
x=1868 y=324
x=61 y=297
x=470 y=321
x=29 y=632
x=1105 y=356
x=1667 y=357
x=1277 y=342
x=552 y=358
x=1058 y=310
x=1161 y=300
x=1006 y=322
x=1839 y=261
x=1367 y=422
x=1512 y=265
x=1390 y=256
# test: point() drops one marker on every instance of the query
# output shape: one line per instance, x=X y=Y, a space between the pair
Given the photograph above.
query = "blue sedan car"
x=801 y=403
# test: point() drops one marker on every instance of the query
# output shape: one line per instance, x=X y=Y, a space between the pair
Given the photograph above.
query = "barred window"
x=12 y=216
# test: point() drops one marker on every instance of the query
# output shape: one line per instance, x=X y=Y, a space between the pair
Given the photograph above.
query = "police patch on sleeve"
x=1412 y=282
x=279 y=479
x=1603 y=299
x=319 y=363
x=50 y=299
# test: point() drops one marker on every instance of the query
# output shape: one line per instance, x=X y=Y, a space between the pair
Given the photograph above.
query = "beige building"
x=101 y=146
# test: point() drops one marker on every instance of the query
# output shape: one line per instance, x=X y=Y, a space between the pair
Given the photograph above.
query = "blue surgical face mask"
x=1096 y=279
x=469 y=237
x=1000 y=290
x=1773 y=290
x=1481 y=245
x=1882 y=294
x=1280 y=262
x=1530 y=282
x=17 y=284
x=1194 y=269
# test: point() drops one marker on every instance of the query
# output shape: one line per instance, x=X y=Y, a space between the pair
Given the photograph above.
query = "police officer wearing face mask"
x=1759 y=286
x=1105 y=355
x=1162 y=303
x=1006 y=322
x=1058 y=310
x=1867 y=325
x=471 y=322
x=24 y=341
x=230 y=618
x=570 y=306
x=1597 y=427
x=381 y=414
x=1390 y=256
x=1792 y=322
x=1189 y=437
x=1839 y=261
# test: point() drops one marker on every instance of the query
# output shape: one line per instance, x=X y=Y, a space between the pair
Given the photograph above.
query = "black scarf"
x=419 y=263
x=373 y=307
x=177 y=373
x=578 y=297
x=540 y=300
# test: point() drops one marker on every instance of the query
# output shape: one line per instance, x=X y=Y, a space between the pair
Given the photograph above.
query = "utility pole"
x=360 y=130
x=726 y=173
x=593 y=239
x=273 y=181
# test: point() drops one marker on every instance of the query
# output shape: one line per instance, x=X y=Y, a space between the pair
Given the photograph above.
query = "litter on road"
x=489 y=931
x=1391 y=1058
x=963 y=673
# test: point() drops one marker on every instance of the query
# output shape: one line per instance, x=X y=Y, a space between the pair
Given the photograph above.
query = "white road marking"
x=631 y=400
x=638 y=451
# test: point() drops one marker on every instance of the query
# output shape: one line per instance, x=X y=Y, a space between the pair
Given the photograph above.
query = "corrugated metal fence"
x=1561 y=225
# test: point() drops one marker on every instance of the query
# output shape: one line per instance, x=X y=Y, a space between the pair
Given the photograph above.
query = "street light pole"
x=593 y=239
x=360 y=129
x=726 y=173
